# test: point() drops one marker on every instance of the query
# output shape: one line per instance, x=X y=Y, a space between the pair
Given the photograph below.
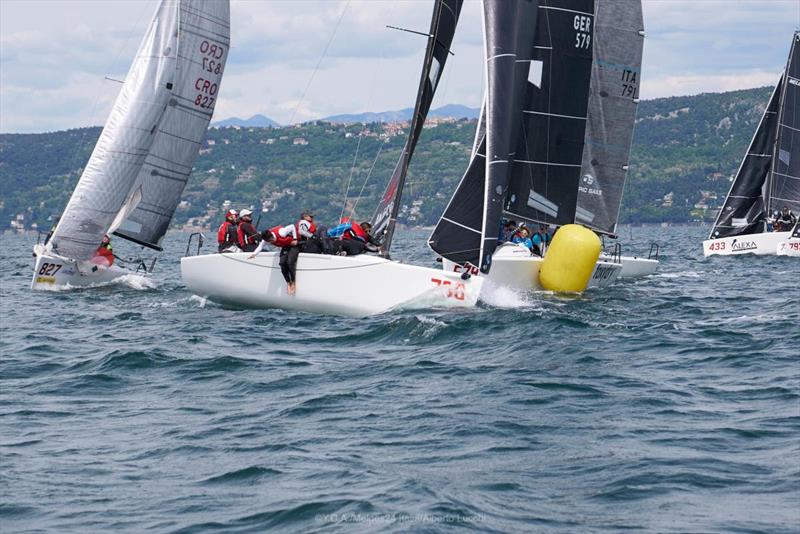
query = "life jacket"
x=107 y=253
x=312 y=228
x=356 y=232
x=246 y=234
x=227 y=234
x=280 y=241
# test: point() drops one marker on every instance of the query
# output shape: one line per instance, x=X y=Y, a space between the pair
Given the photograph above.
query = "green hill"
x=685 y=151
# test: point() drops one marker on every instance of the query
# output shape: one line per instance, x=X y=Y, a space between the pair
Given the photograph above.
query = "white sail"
x=130 y=130
x=203 y=44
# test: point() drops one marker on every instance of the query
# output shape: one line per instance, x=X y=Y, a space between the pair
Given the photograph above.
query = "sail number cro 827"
x=213 y=63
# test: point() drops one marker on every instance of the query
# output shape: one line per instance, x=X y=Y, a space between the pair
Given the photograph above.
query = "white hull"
x=765 y=244
x=340 y=285
x=634 y=267
x=52 y=271
x=515 y=267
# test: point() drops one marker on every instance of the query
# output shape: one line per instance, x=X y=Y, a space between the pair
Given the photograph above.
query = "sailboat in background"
x=768 y=177
x=133 y=181
x=528 y=150
x=349 y=285
x=613 y=99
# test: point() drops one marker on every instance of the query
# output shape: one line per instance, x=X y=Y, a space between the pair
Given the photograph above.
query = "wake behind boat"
x=133 y=181
x=758 y=215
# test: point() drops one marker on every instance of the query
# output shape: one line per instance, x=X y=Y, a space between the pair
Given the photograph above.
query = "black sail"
x=613 y=98
x=469 y=227
x=544 y=178
x=443 y=27
x=744 y=210
x=784 y=183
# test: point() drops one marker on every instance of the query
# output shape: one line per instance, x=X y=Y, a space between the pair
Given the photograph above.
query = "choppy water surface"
x=669 y=404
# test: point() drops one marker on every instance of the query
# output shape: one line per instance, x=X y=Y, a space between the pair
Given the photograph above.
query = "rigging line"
x=352 y=170
x=363 y=185
x=319 y=62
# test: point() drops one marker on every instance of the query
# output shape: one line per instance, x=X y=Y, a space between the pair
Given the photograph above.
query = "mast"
x=613 y=99
x=440 y=38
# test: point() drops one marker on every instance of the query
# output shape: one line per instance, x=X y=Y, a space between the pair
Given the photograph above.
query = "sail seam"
x=461 y=225
x=531 y=112
x=548 y=163
x=567 y=10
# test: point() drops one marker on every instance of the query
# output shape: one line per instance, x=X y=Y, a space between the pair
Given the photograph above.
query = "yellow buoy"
x=570 y=259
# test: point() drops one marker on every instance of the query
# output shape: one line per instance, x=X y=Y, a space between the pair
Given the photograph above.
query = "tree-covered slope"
x=685 y=151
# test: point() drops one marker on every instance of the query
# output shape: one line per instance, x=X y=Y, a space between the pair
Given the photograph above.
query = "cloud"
x=54 y=55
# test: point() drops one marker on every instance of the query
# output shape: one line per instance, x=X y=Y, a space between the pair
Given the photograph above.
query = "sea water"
x=666 y=404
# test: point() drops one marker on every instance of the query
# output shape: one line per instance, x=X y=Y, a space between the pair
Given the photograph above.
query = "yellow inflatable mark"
x=570 y=259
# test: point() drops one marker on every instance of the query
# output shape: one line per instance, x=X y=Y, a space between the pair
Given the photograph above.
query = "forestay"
x=544 y=177
x=613 y=98
x=203 y=45
x=129 y=133
x=440 y=38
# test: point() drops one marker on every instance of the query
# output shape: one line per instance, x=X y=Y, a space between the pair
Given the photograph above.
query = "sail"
x=784 y=183
x=203 y=45
x=130 y=130
x=468 y=230
x=544 y=178
x=744 y=210
x=443 y=27
x=613 y=98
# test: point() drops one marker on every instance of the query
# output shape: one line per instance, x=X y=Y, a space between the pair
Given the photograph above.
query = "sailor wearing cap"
x=247 y=234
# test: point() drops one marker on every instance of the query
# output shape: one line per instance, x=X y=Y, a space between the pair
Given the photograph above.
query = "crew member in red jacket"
x=227 y=235
x=105 y=253
x=285 y=238
x=246 y=232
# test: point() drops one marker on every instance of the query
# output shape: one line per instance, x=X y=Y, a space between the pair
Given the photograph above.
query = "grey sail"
x=203 y=45
x=111 y=174
x=440 y=38
x=467 y=231
x=613 y=98
x=784 y=183
x=744 y=209
x=543 y=186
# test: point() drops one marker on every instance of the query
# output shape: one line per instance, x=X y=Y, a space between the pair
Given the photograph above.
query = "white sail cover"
x=129 y=133
x=203 y=44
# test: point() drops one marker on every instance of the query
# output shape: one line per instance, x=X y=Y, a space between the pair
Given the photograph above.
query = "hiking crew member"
x=785 y=220
x=105 y=253
x=285 y=238
x=247 y=235
x=355 y=238
x=227 y=235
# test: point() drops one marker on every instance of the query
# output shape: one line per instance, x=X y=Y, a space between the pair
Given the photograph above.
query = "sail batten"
x=440 y=38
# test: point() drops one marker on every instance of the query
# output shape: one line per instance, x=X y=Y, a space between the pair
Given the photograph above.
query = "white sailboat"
x=527 y=155
x=142 y=161
x=768 y=177
x=348 y=285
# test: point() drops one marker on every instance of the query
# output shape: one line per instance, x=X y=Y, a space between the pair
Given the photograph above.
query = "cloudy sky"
x=54 y=55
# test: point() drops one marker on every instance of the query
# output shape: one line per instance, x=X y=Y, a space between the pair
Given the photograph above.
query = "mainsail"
x=744 y=210
x=125 y=142
x=203 y=44
x=544 y=178
x=548 y=108
x=784 y=182
x=440 y=38
x=613 y=98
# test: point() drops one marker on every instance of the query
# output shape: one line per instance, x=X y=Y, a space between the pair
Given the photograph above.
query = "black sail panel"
x=458 y=235
x=744 y=210
x=784 y=187
x=613 y=97
x=544 y=178
x=443 y=27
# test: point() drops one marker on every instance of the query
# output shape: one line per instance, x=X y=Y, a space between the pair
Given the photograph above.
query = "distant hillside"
x=256 y=121
x=686 y=149
x=455 y=111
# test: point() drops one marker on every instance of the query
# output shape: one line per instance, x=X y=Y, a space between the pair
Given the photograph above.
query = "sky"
x=298 y=60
